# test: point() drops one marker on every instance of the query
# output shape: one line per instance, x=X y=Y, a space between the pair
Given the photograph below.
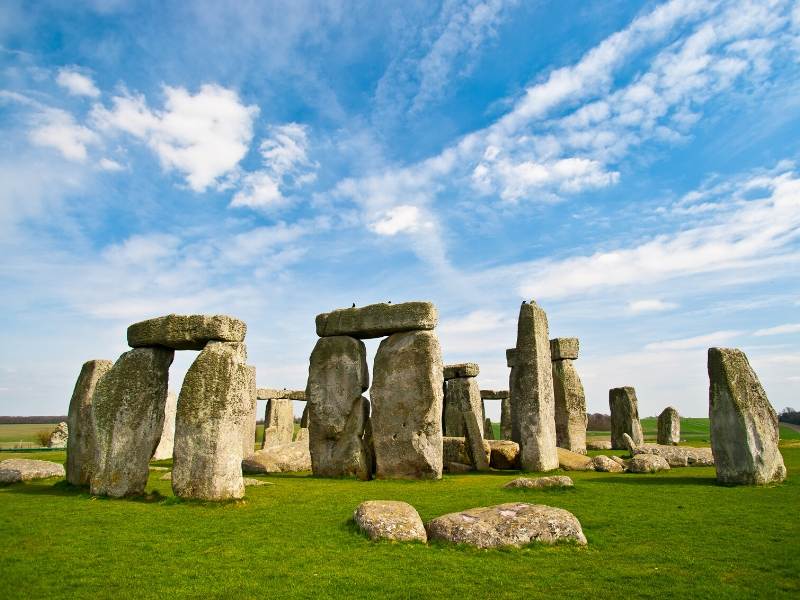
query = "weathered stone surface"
x=407 y=406
x=554 y=481
x=570 y=406
x=59 y=437
x=455 y=449
x=606 y=465
x=598 y=445
x=338 y=413
x=678 y=456
x=456 y=467
x=669 y=427
x=464 y=392
x=453 y=418
x=288 y=458
x=13 y=470
x=278 y=423
x=504 y=454
x=744 y=426
x=506 y=419
x=619 y=460
x=302 y=435
x=81 y=440
x=624 y=417
x=128 y=417
x=186 y=332
x=304 y=417
x=532 y=391
x=461 y=370
x=488 y=430
x=564 y=348
x=390 y=520
x=511 y=358
x=167 y=440
x=250 y=425
x=572 y=461
x=284 y=394
x=647 y=463
x=214 y=407
x=250 y=482
x=378 y=320
x=494 y=394
x=511 y=524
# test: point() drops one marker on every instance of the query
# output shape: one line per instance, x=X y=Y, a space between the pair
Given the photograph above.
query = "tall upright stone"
x=624 y=417
x=453 y=417
x=532 y=391
x=505 y=419
x=465 y=392
x=167 y=440
x=250 y=426
x=407 y=406
x=80 y=430
x=337 y=412
x=278 y=422
x=488 y=430
x=213 y=409
x=511 y=357
x=669 y=427
x=128 y=418
x=570 y=399
x=744 y=426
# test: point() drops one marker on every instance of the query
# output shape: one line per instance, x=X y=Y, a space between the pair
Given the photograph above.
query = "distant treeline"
x=44 y=420
x=599 y=422
x=790 y=415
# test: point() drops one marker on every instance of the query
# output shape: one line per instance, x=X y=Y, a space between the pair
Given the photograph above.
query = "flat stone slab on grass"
x=461 y=370
x=390 y=520
x=14 y=470
x=510 y=524
x=572 y=461
x=186 y=332
x=598 y=445
x=378 y=320
x=678 y=456
x=286 y=458
x=605 y=464
x=647 y=463
x=555 y=481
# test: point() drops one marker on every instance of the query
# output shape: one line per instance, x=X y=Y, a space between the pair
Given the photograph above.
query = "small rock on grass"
x=555 y=481
x=605 y=464
x=389 y=520
x=647 y=463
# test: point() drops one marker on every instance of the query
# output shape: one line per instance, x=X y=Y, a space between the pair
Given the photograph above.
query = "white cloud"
x=110 y=165
x=650 y=305
x=779 y=330
x=57 y=129
x=76 y=83
x=202 y=135
x=403 y=218
x=700 y=341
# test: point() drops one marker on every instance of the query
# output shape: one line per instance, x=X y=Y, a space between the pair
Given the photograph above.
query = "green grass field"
x=674 y=534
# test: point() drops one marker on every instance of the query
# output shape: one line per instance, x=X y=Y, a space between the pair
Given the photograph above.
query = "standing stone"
x=213 y=408
x=511 y=358
x=532 y=391
x=128 y=418
x=624 y=417
x=59 y=437
x=250 y=426
x=338 y=413
x=505 y=419
x=570 y=400
x=465 y=392
x=278 y=422
x=407 y=406
x=453 y=417
x=81 y=440
x=304 y=417
x=669 y=427
x=488 y=430
x=744 y=426
x=167 y=441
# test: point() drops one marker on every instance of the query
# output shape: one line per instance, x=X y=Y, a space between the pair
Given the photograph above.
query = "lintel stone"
x=564 y=348
x=378 y=320
x=284 y=394
x=186 y=332
x=495 y=394
x=461 y=370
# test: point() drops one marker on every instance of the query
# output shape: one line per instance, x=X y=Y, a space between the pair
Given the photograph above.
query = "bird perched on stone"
x=523 y=301
x=354 y=305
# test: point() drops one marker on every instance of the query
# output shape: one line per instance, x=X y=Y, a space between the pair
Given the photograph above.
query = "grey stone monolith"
x=337 y=412
x=505 y=419
x=511 y=356
x=464 y=392
x=407 y=406
x=532 y=391
x=744 y=426
x=570 y=400
x=453 y=417
x=80 y=438
x=669 y=427
x=488 y=430
x=128 y=418
x=250 y=425
x=214 y=407
x=624 y=417
x=167 y=440
x=278 y=422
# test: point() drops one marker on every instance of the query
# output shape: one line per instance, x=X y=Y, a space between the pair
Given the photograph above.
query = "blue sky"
x=633 y=166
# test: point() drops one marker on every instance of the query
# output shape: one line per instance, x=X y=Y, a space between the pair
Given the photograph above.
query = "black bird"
x=523 y=301
x=354 y=305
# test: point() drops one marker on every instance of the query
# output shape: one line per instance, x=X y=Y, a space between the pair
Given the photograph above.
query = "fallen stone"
x=619 y=460
x=488 y=429
x=407 y=406
x=214 y=408
x=377 y=320
x=81 y=441
x=647 y=463
x=278 y=423
x=250 y=482
x=669 y=427
x=464 y=392
x=186 y=332
x=389 y=520
x=461 y=370
x=14 y=470
x=570 y=406
x=128 y=416
x=284 y=394
x=606 y=465
x=338 y=413
x=494 y=394
x=624 y=416
x=457 y=467
x=511 y=524
x=564 y=348
x=555 y=481
x=572 y=461
x=167 y=440
x=532 y=391
x=676 y=456
x=288 y=458
x=598 y=445
x=454 y=449
x=504 y=454
x=744 y=426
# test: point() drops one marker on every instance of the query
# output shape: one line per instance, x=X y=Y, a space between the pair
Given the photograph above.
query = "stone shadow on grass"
x=645 y=479
x=62 y=488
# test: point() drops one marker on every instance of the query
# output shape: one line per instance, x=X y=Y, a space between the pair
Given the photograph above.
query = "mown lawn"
x=674 y=534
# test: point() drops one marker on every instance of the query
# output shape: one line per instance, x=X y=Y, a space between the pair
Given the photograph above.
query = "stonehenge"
x=186 y=332
x=570 y=401
x=532 y=391
x=669 y=427
x=59 y=437
x=624 y=417
x=744 y=426
x=80 y=439
x=278 y=422
x=462 y=391
x=511 y=355
x=378 y=320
